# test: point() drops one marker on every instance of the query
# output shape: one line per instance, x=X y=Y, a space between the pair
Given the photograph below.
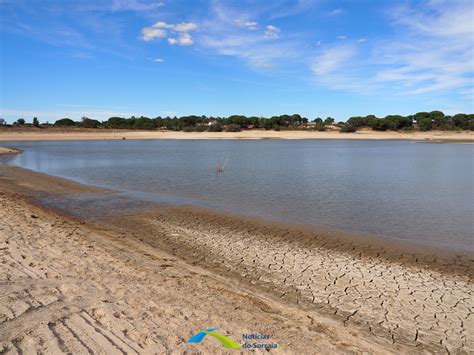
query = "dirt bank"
x=95 y=134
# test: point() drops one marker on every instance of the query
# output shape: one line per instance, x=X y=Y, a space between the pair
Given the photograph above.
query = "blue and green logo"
x=225 y=341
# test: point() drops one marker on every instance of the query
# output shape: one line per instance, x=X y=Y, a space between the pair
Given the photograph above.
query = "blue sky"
x=174 y=57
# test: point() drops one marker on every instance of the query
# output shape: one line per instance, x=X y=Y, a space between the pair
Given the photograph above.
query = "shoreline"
x=8 y=150
x=70 y=286
x=426 y=137
x=21 y=180
x=387 y=295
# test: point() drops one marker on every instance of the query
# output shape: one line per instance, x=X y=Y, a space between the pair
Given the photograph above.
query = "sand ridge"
x=98 y=134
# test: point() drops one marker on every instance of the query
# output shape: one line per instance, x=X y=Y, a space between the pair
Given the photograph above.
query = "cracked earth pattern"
x=69 y=288
x=419 y=301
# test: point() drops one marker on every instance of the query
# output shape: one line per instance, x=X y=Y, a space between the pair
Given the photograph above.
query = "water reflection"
x=422 y=192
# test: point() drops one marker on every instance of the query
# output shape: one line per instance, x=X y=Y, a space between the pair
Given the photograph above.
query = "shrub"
x=319 y=127
x=232 y=128
x=189 y=129
x=217 y=127
x=348 y=128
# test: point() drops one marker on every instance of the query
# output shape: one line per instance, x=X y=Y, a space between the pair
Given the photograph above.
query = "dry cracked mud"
x=421 y=301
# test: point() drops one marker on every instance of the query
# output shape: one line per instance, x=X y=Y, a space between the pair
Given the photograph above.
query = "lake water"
x=395 y=189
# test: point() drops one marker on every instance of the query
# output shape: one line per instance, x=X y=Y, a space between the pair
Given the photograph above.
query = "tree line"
x=424 y=121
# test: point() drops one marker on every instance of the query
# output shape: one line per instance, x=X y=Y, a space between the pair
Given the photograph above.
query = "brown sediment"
x=390 y=296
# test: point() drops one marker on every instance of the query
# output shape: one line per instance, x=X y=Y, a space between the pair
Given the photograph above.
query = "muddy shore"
x=158 y=266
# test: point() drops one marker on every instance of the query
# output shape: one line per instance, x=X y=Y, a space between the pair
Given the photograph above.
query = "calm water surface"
x=418 y=192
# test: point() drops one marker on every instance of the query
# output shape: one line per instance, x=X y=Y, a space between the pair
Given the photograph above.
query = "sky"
x=318 y=58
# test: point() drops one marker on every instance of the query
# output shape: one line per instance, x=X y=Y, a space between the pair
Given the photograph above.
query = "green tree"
x=119 y=122
x=438 y=118
x=328 y=121
x=64 y=122
x=20 y=122
x=144 y=123
x=35 y=122
x=425 y=124
x=357 y=121
x=89 y=123
x=460 y=120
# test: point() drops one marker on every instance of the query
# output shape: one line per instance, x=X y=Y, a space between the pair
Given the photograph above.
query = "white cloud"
x=157 y=60
x=183 y=39
x=272 y=32
x=184 y=27
x=341 y=37
x=162 y=30
x=250 y=25
x=362 y=40
x=150 y=33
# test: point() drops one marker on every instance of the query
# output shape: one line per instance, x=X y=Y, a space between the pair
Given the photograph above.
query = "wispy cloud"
x=251 y=25
x=431 y=50
x=332 y=59
x=272 y=32
x=224 y=32
x=156 y=60
x=296 y=8
x=336 y=12
x=134 y=5
x=434 y=51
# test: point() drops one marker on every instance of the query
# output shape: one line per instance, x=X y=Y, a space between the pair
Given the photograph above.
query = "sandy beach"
x=4 y=150
x=95 y=134
x=146 y=281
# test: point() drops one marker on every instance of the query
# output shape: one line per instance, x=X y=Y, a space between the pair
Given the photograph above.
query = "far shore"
x=94 y=134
